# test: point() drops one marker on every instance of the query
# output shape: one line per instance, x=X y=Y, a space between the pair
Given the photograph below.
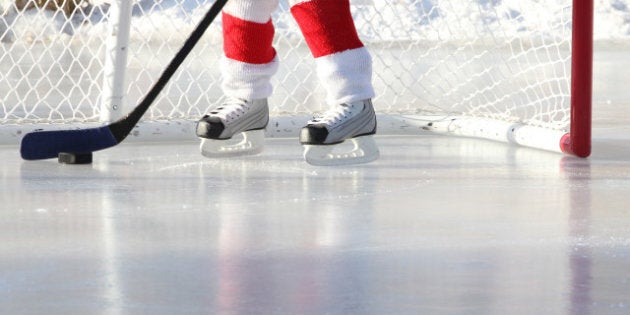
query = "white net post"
x=114 y=85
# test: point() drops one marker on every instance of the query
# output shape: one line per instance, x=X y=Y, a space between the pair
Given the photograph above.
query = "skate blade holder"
x=352 y=151
x=245 y=143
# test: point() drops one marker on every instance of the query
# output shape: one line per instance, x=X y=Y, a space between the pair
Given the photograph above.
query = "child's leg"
x=237 y=126
x=344 y=67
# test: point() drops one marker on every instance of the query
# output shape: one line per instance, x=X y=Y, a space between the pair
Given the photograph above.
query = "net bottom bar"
x=490 y=129
x=289 y=126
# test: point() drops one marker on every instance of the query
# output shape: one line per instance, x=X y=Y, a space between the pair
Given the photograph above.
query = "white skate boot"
x=323 y=135
x=234 y=128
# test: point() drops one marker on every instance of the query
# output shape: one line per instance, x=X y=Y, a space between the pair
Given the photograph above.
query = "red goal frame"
x=578 y=141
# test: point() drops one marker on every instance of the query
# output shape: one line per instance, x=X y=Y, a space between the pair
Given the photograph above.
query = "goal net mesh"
x=507 y=60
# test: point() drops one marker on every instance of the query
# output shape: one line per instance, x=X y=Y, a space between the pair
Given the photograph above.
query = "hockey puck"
x=75 y=158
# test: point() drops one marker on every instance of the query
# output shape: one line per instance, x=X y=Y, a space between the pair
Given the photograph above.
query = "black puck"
x=75 y=158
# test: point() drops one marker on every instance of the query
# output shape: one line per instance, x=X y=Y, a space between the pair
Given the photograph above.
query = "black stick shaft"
x=122 y=127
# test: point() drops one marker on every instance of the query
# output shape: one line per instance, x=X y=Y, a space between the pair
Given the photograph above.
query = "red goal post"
x=578 y=140
x=512 y=71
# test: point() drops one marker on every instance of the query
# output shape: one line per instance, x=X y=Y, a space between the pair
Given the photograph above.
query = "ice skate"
x=324 y=136
x=234 y=128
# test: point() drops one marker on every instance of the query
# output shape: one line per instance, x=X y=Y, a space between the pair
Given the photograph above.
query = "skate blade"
x=245 y=143
x=363 y=150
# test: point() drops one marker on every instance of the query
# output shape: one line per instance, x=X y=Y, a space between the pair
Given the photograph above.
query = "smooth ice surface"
x=438 y=225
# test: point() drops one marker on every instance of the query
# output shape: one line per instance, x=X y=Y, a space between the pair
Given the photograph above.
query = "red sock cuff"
x=247 y=41
x=327 y=26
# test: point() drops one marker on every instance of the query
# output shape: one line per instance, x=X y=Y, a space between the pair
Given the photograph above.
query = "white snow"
x=377 y=20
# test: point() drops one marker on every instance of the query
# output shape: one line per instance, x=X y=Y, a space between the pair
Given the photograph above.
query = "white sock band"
x=346 y=76
x=247 y=81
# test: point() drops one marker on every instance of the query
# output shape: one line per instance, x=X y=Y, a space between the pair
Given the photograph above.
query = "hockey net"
x=448 y=66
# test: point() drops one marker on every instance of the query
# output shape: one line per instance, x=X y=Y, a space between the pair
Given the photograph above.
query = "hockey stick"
x=48 y=144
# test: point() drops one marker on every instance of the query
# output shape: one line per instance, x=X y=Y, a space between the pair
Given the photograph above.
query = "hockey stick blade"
x=41 y=145
x=48 y=144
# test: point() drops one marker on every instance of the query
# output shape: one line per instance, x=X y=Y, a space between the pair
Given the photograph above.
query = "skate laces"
x=231 y=109
x=334 y=116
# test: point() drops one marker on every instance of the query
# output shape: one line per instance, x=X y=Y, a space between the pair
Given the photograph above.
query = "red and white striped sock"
x=249 y=57
x=344 y=65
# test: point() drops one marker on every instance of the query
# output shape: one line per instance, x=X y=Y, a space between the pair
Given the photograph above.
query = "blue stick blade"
x=48 y=144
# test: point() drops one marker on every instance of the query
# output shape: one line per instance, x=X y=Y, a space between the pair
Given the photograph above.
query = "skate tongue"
x=230 y=107
x=352 y=151
x=334 y=115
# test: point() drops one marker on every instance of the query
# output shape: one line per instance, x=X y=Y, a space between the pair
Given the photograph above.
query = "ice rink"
x=438 y=225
